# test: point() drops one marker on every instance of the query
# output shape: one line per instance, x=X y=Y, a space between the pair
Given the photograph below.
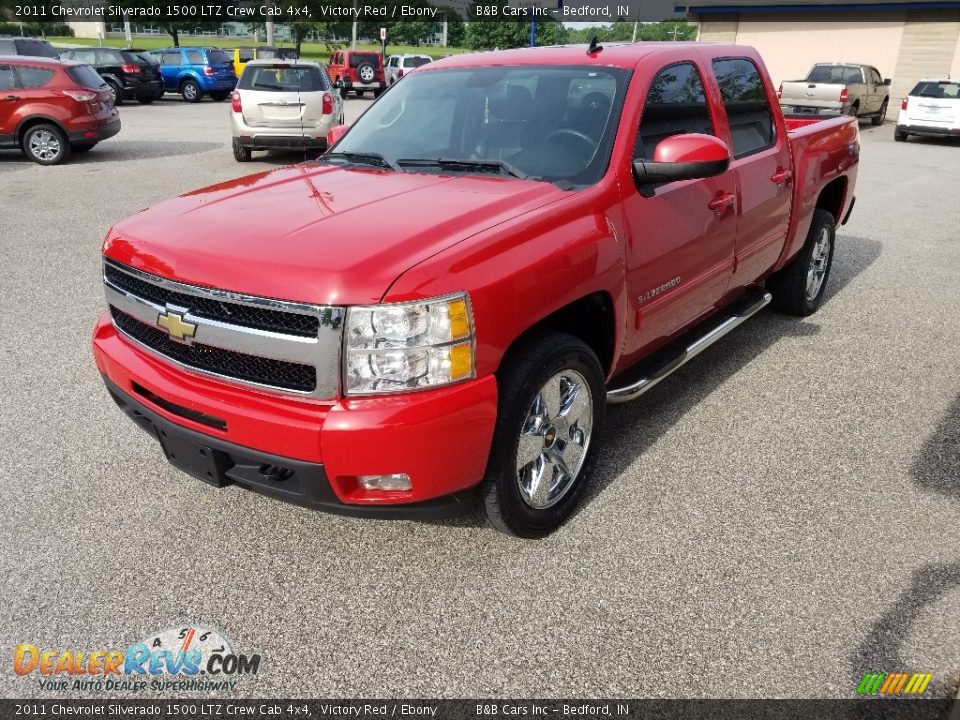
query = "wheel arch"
x=832 y=197
x=32 y=120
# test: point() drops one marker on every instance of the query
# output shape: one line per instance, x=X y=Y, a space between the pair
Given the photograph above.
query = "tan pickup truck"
x=838 y=89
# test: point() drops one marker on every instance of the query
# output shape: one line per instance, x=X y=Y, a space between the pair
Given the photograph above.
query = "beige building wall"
x=88 y=29
x=719 y=31
x=955 y=68
x=790 y=46
x=928 y=49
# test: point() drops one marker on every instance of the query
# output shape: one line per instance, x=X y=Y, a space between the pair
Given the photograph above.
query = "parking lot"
x=776 y=519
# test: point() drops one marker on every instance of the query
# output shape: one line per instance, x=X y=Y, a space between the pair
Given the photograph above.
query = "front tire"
x=550 y=418
x=45 y=144
x=799 y=287
x=241 y=153
x=191 y=91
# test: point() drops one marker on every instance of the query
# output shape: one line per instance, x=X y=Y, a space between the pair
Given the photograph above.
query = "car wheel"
x=219 y=96
x=377 y=93
x=241 y=153
x=45 y=144
x=878 y=120
x=146 y=99
x=115 y=92
x=550 y=416
x=799 y=287
x=854 y=110
x=191 y=91
x=83 y=147
x=899 y=135
x=358 y=93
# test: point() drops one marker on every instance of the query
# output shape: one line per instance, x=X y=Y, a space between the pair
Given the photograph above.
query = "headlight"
x=398 y=347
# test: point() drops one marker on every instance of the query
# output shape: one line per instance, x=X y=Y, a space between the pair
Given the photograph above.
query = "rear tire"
x=117 y=93
x=377 y=93
x=798 y=288
x=191 y=91
x=550 y=417
x=900 y=136
x=359 y=93
x=241 y=153
x=878 y=119
x=45 y=144
x=854 y=110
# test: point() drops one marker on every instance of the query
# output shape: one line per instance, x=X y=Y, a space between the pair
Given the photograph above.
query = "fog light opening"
x=394 y=481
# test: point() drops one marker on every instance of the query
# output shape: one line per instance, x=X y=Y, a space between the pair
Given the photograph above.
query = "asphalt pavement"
x=776 y=519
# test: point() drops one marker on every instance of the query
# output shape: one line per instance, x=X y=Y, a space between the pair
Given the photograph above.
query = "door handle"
x=720 y=204
x=11 y=97
x=781 y=176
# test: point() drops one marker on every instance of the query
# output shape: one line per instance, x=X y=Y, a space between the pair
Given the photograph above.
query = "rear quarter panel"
x=823 y=152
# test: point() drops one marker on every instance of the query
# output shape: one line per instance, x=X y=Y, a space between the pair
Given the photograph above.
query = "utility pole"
x=126 y=30
x=353 y=31
x=270 y=32
x=634 y=38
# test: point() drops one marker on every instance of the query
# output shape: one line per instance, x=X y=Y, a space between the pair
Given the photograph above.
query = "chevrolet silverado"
x=435 y=315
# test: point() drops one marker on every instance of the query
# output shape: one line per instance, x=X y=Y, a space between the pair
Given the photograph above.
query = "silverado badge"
x=172 y=321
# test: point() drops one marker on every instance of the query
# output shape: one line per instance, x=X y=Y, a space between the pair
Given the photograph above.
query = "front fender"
x=520 y=273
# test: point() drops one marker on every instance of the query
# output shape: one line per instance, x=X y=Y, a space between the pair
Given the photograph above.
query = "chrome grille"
x=273 y=344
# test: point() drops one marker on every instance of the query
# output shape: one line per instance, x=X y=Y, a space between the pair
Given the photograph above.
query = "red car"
x=50 y=108
x=437 y=313
x=357 y=70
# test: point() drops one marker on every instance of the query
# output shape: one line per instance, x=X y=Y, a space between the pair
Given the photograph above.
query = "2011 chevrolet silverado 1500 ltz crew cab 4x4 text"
x=435 y=314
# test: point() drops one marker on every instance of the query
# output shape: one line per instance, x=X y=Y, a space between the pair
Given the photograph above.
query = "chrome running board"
x=638 y=388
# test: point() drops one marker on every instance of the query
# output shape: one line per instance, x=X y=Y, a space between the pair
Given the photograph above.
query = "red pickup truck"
x=435 y=314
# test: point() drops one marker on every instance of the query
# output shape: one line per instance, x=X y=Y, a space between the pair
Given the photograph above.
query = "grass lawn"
x=309 y=50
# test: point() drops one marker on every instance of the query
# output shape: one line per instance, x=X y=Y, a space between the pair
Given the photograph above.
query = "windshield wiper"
x=365 y=158
x=467 y=164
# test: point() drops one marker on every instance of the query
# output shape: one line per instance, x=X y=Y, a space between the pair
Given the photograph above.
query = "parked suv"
x=397 y=65
x=282 y=104
x=147 y=57
x=51 y=107
x=358 y=71
x=194 y=72
x=36 y=47
x=128 y=76
x=931 y=109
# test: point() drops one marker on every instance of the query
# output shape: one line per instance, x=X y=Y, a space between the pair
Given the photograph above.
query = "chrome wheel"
x=819 y=262
x=44 y=145
x=190 y=91
x=554 y=439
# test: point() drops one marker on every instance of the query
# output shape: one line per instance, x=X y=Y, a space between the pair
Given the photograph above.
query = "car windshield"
x=270 y=78
x=942 y=89
x=552 y=123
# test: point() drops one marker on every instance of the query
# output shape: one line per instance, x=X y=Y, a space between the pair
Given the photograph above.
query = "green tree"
x=486 y=35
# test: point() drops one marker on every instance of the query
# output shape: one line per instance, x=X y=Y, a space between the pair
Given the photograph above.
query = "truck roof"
x=624 y=54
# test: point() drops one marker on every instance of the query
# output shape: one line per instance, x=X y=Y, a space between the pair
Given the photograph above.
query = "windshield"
x=948 y=90
x=553 y=123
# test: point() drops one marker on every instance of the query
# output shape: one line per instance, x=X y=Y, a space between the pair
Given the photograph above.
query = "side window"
x=8 y=80
x=86 y=56
x=34 y=77
x=676 y=104
x=875 y=74
x=752 y=127
x=108 y=57
x=194 y=57
x=852 y=75
x=170 y=58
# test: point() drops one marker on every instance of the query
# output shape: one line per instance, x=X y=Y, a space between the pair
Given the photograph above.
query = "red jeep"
x=49 y=108
x=357 y=70
x=438 y=312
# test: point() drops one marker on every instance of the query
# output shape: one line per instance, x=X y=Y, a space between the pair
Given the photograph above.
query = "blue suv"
x=195 y=71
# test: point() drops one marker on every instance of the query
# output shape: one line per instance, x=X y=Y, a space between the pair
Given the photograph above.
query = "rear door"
x=34 y=82
x=761 y=165
x=170 y=66
x=935 y=104
x=281 y=95
x=10 y=99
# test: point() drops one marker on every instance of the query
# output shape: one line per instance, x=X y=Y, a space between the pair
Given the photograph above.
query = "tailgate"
x=933 y=111
x=808 y=94
x=281 y=95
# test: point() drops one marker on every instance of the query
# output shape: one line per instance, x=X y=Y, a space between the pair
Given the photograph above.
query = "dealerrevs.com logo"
x=175 y=659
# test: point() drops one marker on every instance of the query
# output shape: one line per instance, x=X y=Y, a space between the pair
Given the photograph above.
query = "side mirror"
x=886 y=81
x=683 y=157
x=335 y=133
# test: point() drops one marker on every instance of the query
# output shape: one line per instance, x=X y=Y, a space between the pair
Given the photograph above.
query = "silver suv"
x=283 y=104
x=397 y=65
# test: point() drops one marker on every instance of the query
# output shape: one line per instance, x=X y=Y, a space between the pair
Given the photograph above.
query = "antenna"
x=595 y=46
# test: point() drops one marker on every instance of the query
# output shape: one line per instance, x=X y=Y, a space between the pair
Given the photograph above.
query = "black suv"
x=37 y=47
x=127 y=74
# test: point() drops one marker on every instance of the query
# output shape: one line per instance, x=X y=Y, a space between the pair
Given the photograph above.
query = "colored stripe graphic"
x=894 y=683
x=870 y=683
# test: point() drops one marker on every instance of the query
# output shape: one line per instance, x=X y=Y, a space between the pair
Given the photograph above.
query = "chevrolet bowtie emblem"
x=175 y=325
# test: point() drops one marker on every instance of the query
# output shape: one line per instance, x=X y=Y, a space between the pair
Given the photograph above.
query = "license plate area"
x=195 y=458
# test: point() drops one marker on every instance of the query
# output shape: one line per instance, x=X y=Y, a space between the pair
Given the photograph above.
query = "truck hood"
x=314 y=233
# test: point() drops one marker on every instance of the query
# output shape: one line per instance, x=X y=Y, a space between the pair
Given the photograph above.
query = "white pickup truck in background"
x=838 y=89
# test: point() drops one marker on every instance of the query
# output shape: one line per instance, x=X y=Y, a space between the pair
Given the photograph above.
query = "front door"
x=681 y=234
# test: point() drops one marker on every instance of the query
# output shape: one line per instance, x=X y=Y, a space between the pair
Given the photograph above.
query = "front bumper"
x=441 y=438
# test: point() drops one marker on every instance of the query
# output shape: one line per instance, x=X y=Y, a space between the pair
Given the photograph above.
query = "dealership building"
x=904 y=41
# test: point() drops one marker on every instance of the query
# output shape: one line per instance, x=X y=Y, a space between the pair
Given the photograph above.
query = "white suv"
x=283 y=104
x=397 y=65
x=932 y=109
